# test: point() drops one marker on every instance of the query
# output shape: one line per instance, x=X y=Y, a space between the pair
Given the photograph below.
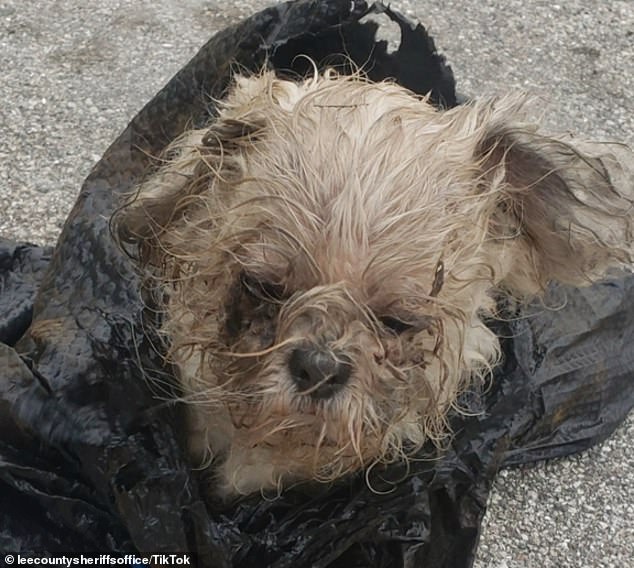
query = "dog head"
x=326 y=251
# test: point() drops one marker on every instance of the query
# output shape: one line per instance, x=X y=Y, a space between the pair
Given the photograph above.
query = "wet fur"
x=357 y=216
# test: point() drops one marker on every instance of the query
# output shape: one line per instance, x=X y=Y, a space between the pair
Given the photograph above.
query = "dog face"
x=326 y=251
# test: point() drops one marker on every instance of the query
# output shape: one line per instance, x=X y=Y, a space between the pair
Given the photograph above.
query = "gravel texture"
x=74 y=73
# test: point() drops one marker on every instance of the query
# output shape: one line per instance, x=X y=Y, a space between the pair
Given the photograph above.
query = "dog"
x=326 y=252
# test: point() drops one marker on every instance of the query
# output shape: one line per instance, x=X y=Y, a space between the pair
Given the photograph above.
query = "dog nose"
x=319 y=372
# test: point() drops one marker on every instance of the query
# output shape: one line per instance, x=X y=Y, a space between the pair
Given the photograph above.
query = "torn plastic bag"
x=91 y=460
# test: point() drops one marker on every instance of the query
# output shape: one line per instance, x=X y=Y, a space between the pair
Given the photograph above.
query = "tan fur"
x=309 y=212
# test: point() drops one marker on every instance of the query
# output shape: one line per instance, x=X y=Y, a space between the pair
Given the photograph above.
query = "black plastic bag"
x=92 y=461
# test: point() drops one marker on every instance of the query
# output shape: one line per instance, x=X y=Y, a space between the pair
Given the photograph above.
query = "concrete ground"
x=74 y=73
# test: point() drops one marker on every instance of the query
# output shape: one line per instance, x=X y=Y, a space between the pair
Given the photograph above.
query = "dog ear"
x=566 y=210
x=193 y=167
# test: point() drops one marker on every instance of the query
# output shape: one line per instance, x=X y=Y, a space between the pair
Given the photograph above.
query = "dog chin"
x=276 y=434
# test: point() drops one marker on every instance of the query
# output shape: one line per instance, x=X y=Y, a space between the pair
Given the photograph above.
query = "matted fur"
x=355 y=217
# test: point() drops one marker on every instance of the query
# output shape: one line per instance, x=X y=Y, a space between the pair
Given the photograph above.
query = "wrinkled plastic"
x=92 y=461
x=21 y=269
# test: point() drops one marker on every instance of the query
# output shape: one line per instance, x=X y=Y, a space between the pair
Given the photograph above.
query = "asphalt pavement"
x=74 y=73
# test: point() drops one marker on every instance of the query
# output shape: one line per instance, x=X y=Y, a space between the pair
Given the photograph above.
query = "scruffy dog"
x=325 y=253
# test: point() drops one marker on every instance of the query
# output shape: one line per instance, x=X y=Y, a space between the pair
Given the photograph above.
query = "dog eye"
x=396 y=325
x=260 y=289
